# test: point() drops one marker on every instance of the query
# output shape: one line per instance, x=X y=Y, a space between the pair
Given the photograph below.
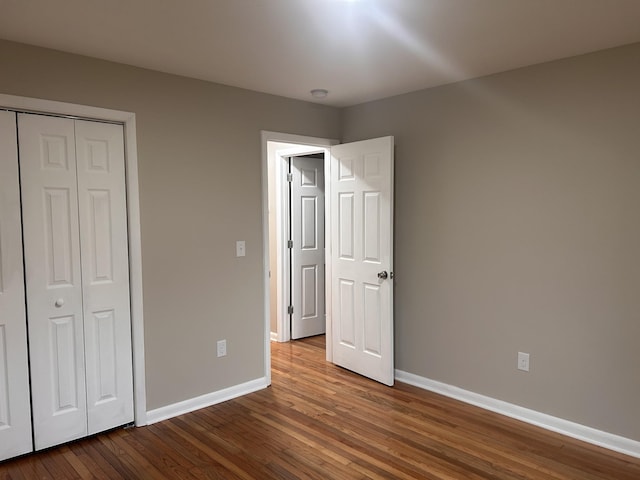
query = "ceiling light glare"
x=319 y=93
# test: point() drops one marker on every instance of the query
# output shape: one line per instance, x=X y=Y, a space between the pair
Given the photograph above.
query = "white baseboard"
x=559 y=425
x=274 y=336
x=186 y=406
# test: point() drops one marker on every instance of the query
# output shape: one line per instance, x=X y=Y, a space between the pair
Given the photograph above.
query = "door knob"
x=59 y=302
x=383 y=275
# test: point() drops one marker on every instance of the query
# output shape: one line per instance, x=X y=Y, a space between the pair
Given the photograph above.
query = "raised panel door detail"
x=371 y=225
x=308 y=177
x=346 y=293
x=54 y=152
x=345 y=225
x=371 y=166
x=97 y=156
x=308 y=223
x=346 y=169
x=104 y=344
x=101 y=256
x=5 y=421
x=63 y=364
x=372 y=327
x=309 y=289
x=57 y=218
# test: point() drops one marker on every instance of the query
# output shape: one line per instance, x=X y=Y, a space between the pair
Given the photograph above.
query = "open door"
x=361 y=210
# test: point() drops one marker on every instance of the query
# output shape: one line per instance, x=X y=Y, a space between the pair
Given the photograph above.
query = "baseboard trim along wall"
x=274 y=336
x=186 y=406
x=548 y=422
x=558 y=425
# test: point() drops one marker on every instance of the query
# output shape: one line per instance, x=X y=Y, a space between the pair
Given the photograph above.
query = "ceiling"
x=359 y=50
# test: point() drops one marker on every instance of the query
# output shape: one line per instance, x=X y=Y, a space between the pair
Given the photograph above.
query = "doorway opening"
x=358 y=233
x=296 y=240
x=293 y=281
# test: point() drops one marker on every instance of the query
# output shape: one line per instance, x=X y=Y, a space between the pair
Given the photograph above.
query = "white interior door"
x=76 y=261
x=361 y=208
x=53 y=278
x=307 y=253
x=105 y=274
x=15 y=411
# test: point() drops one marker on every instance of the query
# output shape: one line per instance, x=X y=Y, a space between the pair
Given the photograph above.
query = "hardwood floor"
x=318 y=421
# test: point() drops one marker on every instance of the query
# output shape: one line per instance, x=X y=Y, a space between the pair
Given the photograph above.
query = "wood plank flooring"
x=318 y=421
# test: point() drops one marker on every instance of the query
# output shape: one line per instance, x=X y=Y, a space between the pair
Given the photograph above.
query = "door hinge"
x=289 y=243
x=290 y=309
x=289 y=177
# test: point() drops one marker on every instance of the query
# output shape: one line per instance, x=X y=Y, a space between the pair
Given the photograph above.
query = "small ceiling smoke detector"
x=319 y=93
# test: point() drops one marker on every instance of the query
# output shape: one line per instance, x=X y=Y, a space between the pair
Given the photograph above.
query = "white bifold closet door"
x=77 y=279
x=15 y=411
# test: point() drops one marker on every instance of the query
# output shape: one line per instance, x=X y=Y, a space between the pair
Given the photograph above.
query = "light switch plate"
x=240 y=248
x=523 y=361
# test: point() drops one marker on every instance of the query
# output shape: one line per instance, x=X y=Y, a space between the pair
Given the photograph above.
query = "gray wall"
x=199 y=156
x=517 y=225
x=518 y=229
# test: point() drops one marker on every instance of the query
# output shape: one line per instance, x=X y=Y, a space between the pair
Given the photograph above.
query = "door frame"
x=128 y=120
x=314 y=144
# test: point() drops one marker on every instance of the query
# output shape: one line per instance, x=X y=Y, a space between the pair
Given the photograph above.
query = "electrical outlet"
x=222 y=348
x=523 y=361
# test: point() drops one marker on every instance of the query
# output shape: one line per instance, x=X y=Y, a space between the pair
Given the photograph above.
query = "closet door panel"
x=105 y=274
x=15 y=411
x=53 y=278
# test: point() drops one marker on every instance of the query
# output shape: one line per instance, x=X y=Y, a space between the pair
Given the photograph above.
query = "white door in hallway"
x=15 y=411
x=361 y=208
x=75 y=246
x=307 y=253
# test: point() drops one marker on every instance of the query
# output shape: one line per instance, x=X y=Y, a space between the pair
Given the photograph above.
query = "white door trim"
x=128 y=119
x=267 y=136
